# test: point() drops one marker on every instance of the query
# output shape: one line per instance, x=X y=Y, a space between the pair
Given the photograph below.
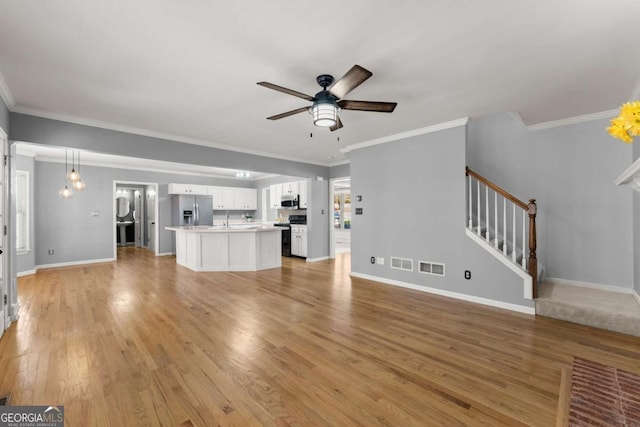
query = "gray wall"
x=318 y=219
x=414 y=206
x=26 y=262
x=53 y=132
x=67 y=225
x=4 y=117
x=340 y=171
x=584 y=219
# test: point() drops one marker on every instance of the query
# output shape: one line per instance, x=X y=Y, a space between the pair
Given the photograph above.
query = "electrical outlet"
x=380 y=260
x=467 y=274
x=51 y=251
x=373 y=260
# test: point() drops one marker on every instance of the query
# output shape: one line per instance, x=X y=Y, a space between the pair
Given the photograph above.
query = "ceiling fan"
x=328 y=102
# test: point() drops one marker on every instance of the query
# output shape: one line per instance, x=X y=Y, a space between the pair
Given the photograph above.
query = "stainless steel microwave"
x=290 y=201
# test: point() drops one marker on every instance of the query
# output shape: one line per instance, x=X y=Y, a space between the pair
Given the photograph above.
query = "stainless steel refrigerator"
x=191 y=210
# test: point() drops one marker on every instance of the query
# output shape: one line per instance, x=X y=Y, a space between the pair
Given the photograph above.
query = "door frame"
x=7 y=276
x=332 y=236
x=114 y=210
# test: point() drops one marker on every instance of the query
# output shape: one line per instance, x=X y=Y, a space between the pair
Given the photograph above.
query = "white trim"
x=516 y=268
x=517 y=117
x=340 y=162
x=573 y=120
x=72 y=263
x=5 y=94
x=449 y=294
x=15 y=312
x=166 y=254
x=391 y=138
x=636 y=92
x=588 y=285
x=322 y=258
x=630 y=176
x=26 y=273
x=154 y=134
x=636 y=296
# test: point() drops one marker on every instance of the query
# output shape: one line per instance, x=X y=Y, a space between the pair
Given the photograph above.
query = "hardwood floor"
x=142 y=341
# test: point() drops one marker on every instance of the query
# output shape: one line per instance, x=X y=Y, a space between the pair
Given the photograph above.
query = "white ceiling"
x=189 y=69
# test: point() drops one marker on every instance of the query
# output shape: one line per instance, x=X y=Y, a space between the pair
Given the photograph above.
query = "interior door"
x=137 y=217
x=151 y=217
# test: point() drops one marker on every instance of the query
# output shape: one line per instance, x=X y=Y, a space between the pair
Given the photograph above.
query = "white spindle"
x=486 y=217
x=495 y=219
x=470 y=204
x=524 y=240
x=504 y=226
x=479 y=208
x=513 y=236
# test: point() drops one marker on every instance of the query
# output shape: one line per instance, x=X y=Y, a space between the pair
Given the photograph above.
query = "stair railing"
x=481 y=210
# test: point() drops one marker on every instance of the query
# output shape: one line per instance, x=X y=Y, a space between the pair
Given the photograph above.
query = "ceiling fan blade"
x=380 y=107
x=354 y=77
x=288 y=113
x=337 y=126
x=285 y=90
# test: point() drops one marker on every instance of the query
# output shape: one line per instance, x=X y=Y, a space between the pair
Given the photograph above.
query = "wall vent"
x=401 y=264
x=434 y=268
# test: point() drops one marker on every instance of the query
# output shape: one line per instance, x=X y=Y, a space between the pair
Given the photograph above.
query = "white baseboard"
x=637 y=297
x=72 y=263
x=166 y=254
x=317 y=259
x=449 y=294
x=26 y=273
x=526 y=277
x=15 y=312
x=589 y=285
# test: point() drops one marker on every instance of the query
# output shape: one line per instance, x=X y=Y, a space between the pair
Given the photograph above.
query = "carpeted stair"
x=613 y=311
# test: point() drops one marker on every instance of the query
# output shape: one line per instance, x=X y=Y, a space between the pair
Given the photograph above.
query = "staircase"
x=506 y=227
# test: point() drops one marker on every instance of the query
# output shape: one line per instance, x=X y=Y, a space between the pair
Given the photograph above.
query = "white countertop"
x=233 y=228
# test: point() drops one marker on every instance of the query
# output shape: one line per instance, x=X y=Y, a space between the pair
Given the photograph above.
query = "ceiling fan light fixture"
x=324 y=114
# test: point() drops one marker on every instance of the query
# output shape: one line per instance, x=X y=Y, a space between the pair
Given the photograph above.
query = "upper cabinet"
x=224 y=198
x=246 y=199
x=188 y=189
x=277 y=190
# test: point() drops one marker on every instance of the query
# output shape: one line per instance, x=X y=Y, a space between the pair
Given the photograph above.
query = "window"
x=22 y=211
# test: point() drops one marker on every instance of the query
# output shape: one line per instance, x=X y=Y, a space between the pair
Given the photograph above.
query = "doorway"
x=4 y=241
x=135 y=213
x=341 y=216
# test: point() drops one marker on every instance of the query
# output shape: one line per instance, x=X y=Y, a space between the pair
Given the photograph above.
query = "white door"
x=4 y=195
x=151 y=217
x=138 y=214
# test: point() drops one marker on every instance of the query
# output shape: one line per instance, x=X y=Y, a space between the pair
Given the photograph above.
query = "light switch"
x=95 y=213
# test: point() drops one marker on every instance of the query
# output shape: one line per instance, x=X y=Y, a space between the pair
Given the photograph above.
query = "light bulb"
x=73 y=175
x=66 y=193
x=79 y=185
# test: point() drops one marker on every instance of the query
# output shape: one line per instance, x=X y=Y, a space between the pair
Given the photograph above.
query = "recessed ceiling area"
x=188 y=70
x=55 y=154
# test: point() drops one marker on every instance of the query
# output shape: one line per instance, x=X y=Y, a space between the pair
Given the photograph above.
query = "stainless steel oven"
x=286 y=232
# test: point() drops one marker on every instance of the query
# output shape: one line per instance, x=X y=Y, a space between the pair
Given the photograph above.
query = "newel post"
x=532 y=263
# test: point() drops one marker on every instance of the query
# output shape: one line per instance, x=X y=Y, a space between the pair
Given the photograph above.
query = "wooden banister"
x=531 y=209
x=498 y=190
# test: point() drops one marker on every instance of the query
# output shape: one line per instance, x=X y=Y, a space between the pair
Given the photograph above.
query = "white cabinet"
x=299 y=240
x=275 y=194
x=302 y=191
x=246 y=199
x=290 y=188
x=189 y=189
x=223 y=197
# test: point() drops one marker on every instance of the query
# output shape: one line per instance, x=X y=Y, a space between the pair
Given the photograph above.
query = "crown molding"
x=391 y=138
x=340 y=162
x=630 y=176
x=154 y=134
x=573 y=120
x=6 y=94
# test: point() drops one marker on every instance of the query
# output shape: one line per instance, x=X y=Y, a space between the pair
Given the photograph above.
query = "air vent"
x=431 y=268
x=401 y=264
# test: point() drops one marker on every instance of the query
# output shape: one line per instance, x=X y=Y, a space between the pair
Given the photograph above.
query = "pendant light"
x=73 y=175
x=79 y=184
x=66 y=192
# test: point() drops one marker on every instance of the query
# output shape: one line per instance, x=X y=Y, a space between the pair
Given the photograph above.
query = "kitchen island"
x=236 y=248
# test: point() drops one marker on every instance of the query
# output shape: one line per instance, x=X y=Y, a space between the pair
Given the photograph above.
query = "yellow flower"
x=627 y=124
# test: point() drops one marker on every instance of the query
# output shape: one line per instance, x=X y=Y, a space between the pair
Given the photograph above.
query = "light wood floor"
x=142 y=341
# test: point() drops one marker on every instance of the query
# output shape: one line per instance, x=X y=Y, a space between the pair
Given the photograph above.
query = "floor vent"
x=434 y=268
x=401 y=264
